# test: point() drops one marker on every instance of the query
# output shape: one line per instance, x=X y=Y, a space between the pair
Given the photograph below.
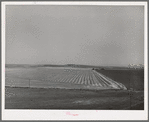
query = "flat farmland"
x=70 y=78
x=67 y=88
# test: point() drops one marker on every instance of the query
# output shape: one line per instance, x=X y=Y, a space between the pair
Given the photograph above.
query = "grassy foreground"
x=52 y=98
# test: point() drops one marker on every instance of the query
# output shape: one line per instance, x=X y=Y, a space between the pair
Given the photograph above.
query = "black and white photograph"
x=74 y=61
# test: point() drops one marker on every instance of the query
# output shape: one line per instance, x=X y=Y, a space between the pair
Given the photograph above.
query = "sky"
x=89 y=35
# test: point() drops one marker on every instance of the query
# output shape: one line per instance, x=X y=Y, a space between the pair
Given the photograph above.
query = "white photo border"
x=20 y=114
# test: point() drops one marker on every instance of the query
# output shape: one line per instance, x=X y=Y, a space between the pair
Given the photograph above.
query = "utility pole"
x=131 y=89
x=129 y=94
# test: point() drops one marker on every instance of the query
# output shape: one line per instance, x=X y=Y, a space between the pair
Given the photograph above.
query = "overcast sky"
x=92 y=35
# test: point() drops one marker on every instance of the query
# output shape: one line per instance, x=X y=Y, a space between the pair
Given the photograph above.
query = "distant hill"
x=66 y=65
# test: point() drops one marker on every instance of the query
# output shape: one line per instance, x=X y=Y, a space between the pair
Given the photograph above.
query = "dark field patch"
x=130 y=78
x=39 y=98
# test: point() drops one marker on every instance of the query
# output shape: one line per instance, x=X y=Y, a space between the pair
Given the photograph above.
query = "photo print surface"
x=74 y=57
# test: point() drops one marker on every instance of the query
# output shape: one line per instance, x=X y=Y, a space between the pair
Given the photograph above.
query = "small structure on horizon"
x=134 y=66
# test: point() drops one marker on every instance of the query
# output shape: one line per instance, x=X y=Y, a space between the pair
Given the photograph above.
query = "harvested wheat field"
x=69 y=78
